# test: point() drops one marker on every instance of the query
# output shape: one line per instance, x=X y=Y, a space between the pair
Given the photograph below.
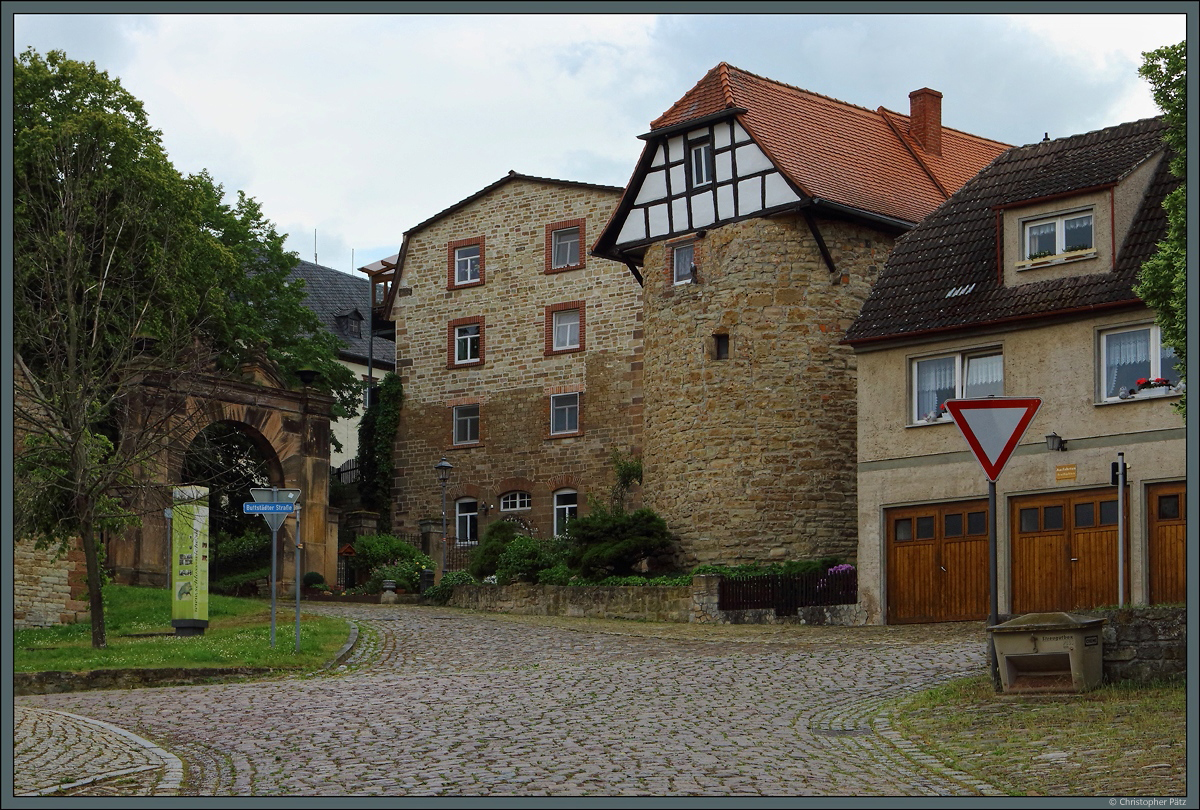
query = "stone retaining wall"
x=1143 y=643
x=660 y=604
x=683 y=603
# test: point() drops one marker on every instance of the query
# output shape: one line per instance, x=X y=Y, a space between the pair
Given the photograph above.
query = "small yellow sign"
x=1064 y=472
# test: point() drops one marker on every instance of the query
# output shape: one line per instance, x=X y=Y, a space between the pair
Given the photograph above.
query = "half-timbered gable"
x=756 y=221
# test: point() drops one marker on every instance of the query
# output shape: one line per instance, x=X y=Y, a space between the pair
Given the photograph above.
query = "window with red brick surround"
x=566 y=414
x=465 y=258
x=565 y=330
x=562 y=264
x=465 y=346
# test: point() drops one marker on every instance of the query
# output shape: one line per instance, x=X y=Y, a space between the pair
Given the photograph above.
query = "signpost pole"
x=993 y=579
x=274 y=554
x=1120 y=529
x=299 y=552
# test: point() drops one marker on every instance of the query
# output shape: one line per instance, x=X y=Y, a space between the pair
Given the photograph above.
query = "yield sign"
x=993 y=426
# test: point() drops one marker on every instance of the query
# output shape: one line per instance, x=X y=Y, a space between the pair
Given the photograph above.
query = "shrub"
x=240 y=584
x=523 y=559
x=440 y=594
x=486 y=556
x=313 y=578
x=817 y=566
x=373 y=551
x=612 y=544
x=406 y=573
x=557 y=575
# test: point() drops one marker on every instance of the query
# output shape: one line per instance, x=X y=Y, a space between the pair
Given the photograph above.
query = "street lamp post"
x=443 y=469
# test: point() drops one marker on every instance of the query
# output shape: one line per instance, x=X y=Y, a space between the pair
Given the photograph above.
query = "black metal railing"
x=458 y=555
x=786 y=593
x=347 y=473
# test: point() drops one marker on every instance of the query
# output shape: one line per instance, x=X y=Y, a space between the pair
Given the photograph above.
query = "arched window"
x=466 y=520
x=566 y=507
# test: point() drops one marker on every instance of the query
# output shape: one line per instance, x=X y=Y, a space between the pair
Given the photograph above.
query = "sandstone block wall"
x=513 y=384
x=48 y=589
x=753 y=458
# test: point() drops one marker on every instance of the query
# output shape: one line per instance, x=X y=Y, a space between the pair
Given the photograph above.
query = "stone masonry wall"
x=753 y=458
x=518 y=375
x=48 y=591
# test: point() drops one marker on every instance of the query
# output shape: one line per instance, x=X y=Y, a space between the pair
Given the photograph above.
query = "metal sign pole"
x=299 y=552
x=1120 y=529
x=993 y=578
x=274 y=554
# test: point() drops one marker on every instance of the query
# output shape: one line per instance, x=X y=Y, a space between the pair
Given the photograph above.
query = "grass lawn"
x=238 y=635
x=1121 y=740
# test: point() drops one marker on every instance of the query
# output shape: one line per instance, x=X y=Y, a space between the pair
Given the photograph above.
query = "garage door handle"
x=1074 y=559
x=942 y=567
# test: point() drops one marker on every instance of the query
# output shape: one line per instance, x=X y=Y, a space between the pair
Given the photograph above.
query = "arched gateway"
x=291 y=429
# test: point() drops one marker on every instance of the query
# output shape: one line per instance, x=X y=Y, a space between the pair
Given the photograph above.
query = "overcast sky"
x=361 y=126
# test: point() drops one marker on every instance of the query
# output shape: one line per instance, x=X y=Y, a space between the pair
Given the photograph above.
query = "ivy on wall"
x=376 y=435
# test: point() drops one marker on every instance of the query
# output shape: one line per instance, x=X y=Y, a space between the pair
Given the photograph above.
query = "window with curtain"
x=1130 y=356
x=954 y=376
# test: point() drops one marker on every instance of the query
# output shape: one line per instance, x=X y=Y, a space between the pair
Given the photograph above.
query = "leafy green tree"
x=124 y=271
x=1162 y=283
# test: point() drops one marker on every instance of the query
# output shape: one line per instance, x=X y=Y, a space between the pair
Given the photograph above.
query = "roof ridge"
x=916 y=153
x=798 y=89
x=726 y=87
x=950 y=129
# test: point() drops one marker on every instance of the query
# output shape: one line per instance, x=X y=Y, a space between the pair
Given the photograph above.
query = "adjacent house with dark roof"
x=343 y=303
x=1022 y=285
x=756 y=220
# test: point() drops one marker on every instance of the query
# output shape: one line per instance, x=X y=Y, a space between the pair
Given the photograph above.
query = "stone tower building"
x=756 y=220
x=520 y=357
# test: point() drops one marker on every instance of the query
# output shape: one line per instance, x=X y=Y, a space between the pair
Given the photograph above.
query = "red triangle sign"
x=993 y=426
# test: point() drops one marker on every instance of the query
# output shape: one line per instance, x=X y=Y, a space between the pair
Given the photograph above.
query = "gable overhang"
x=692 y=123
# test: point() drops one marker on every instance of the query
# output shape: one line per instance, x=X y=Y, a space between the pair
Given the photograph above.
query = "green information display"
x=189 y=561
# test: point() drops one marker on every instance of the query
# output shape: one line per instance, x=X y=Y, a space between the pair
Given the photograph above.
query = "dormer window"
x=350 y=324
x=1054 y=236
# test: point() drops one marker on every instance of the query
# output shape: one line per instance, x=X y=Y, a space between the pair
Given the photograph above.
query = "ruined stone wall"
x=518 y=374
x=48 y=589
x=753 y=458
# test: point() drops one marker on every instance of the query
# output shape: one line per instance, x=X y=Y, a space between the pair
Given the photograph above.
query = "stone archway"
x=291 y=428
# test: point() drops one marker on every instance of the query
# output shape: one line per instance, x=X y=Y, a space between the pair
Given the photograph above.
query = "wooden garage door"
x=937 y=562
x=1166 y=505
x=1064 y=551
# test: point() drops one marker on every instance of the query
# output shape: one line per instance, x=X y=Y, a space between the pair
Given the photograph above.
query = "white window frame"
x=561 y=328
x=465 y=424
x=466 y=265
x=564 y=238
x=919 y=414
x=1154 y=349
x=466 y=344
x=564 y=511
x=1059 y=221
x=569 y=405
x=687 y=249
x=700 y=156
x=466 y=522
x=516 y=501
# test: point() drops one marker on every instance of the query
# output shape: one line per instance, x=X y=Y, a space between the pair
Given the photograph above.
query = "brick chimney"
x=925 y=112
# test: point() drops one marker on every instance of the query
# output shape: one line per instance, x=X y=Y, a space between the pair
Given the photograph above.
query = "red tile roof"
x=834 y=151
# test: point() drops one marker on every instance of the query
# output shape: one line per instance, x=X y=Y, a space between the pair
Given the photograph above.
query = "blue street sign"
x=254 y=508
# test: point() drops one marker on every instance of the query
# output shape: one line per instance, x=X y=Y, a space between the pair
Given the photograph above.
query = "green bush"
x=239 y=584
x=557 y=575
x=232 y=553
x=373 y=551
x=486 y=556
x=406 y=573
x=612 y=543
x=313 y=579
x=523 y=559
x=440 y=594
x=816 y=566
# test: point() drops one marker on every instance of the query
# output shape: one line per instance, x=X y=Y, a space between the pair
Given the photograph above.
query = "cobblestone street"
x=444 y=702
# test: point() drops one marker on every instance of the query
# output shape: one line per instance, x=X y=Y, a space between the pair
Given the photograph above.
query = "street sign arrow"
x=993 y=427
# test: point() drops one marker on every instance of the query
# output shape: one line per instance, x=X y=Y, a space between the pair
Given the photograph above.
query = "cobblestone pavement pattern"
x=445 y=702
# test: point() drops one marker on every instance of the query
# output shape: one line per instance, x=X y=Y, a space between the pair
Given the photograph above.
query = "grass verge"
x=238 y=635
x=1120 y=740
